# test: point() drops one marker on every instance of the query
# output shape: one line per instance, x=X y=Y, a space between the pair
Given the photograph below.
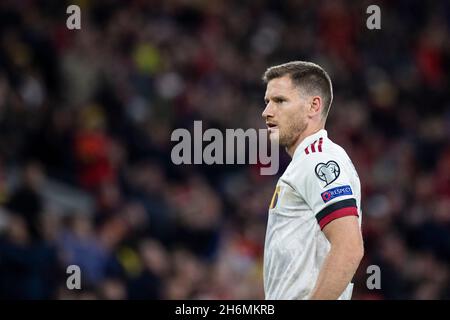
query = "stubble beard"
x=289 y=137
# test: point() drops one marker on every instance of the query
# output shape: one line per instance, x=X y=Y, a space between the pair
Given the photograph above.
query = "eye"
x=279 y=100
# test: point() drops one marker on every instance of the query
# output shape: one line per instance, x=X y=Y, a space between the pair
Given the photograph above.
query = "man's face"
x=285 y=112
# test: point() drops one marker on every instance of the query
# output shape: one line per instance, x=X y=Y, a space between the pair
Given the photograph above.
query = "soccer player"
x=313 y=241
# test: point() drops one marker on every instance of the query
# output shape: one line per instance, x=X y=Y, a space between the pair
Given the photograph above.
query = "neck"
x=308 y=131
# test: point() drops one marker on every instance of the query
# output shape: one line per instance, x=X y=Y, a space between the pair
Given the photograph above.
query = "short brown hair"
x=307 y=75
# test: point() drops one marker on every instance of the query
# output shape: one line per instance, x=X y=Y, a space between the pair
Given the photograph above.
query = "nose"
x=268 y=111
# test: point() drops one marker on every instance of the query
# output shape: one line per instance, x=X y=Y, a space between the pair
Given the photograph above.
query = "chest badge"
x=328 y=172
x=275 y=196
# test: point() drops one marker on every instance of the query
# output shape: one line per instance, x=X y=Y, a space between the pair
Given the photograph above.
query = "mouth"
x=271 y=126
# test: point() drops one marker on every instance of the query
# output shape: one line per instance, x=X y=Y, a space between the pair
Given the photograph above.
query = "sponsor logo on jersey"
x=328 y=172
x=336 y=192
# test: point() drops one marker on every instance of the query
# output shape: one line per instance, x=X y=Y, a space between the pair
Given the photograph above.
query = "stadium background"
x=85 y=123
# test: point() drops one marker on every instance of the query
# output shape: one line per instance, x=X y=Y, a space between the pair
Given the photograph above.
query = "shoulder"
x=324 y=146
x=323 y=160
x=319 y=152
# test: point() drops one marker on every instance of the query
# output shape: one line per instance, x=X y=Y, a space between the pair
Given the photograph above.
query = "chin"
x=274 y=136
x=286 y=142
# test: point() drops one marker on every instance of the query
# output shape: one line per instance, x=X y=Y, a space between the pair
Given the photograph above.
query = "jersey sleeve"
x=325 y=183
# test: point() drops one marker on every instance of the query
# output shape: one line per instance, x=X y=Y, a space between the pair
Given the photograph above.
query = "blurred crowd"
x=86 y=117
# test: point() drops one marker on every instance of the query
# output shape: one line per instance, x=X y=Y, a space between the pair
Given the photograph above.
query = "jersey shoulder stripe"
x=312 y=146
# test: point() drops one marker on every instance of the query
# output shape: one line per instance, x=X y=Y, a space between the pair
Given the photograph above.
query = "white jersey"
x=319 y=185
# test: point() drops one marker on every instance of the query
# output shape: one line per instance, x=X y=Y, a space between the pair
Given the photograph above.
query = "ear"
x=315 y=107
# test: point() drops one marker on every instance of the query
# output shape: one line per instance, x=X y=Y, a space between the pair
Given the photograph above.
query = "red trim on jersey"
x=320 y=144
x=349 y=211
x=313 y=147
